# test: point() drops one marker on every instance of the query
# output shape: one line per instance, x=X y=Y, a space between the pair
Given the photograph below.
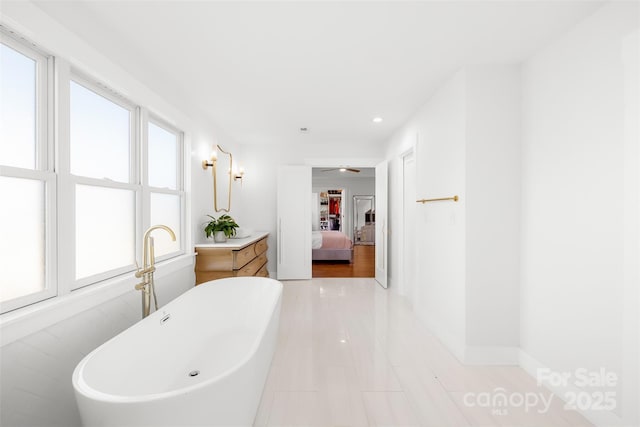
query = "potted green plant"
x=221 y=228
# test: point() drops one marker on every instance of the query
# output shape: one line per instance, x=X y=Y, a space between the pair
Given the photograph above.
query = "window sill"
x=28 y=320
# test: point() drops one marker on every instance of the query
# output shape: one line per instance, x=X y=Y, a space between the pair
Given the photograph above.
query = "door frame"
x=382 y=224
x=357 y=162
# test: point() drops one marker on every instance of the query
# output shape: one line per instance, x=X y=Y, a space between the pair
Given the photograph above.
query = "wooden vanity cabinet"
x=237 y=257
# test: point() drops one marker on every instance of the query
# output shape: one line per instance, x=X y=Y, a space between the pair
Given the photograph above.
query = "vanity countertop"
x=235 y=243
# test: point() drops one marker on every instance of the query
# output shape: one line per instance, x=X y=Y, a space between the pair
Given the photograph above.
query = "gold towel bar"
x=454 y=198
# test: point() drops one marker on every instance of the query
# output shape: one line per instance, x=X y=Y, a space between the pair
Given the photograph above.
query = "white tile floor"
x=352 y=354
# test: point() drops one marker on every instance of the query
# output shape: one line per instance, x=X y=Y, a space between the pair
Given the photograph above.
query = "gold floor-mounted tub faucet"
x=148 y=267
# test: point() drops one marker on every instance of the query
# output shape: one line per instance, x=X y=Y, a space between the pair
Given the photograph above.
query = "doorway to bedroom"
x=343 y=222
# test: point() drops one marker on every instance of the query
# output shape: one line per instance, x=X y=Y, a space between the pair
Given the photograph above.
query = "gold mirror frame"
x=214 y=172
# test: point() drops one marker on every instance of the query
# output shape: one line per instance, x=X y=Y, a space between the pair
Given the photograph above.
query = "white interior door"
x=294 y=223
x=382 y=240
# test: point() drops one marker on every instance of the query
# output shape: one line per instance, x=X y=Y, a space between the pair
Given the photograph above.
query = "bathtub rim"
x=81 y=387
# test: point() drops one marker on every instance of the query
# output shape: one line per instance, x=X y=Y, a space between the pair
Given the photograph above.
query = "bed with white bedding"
x=331 y=246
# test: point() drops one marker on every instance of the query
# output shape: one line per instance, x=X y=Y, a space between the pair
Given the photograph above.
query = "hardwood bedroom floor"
x=363 y=265
x=351 y=353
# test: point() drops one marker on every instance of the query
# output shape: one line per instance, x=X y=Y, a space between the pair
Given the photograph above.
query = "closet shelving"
x=336 y=209
x=324 y=210
x=331 y=209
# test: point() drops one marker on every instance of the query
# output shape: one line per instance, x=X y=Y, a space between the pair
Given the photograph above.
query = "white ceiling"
x=261 y=70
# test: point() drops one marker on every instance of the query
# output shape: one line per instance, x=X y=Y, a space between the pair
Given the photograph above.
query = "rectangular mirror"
x=364 y=218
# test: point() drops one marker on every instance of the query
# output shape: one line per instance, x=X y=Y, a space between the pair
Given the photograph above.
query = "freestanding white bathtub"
x=201 y=360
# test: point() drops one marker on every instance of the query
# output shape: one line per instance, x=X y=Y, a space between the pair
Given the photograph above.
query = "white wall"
x=38 y=354
x=493 y=208
x=441 y=256
x=202 y=181
x=468 y=144
x=631 y=308
x=558 y=275
x=572 y=295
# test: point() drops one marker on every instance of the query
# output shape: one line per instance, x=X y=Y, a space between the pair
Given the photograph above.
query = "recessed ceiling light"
x=377 y=119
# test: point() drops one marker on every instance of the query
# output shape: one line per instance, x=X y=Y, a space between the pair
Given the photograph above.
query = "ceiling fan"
x=342 y=170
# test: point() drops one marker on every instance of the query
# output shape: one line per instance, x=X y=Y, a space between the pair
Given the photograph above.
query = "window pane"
x=100 y=136
x=165 y=209
x=162 y=157
x=105 y=236
x=22 y=236
x=17 y=109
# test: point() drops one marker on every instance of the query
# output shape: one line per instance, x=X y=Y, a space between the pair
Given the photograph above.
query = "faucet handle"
x=138 y=272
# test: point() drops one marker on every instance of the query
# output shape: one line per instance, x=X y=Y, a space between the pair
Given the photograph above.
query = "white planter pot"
x=219 y=237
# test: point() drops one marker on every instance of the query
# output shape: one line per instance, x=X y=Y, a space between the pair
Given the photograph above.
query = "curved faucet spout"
x=147 y=260
x=163 y=227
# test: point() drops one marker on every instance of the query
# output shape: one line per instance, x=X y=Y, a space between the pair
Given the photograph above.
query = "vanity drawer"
x=261 y=246
x=213 y=259
x=263 y=272
x=217 y=262
x=243 y=256
x=252 y=268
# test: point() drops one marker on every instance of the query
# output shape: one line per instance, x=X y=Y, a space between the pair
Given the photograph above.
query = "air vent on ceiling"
x=304 y=130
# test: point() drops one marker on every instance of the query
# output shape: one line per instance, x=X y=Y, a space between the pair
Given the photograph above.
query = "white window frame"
x=43 y=171
x=71 y=181
x=63 y=293
x=148 y=117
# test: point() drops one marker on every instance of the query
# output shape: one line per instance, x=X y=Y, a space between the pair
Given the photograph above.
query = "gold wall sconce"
x=237 y=176
x=221 y=180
